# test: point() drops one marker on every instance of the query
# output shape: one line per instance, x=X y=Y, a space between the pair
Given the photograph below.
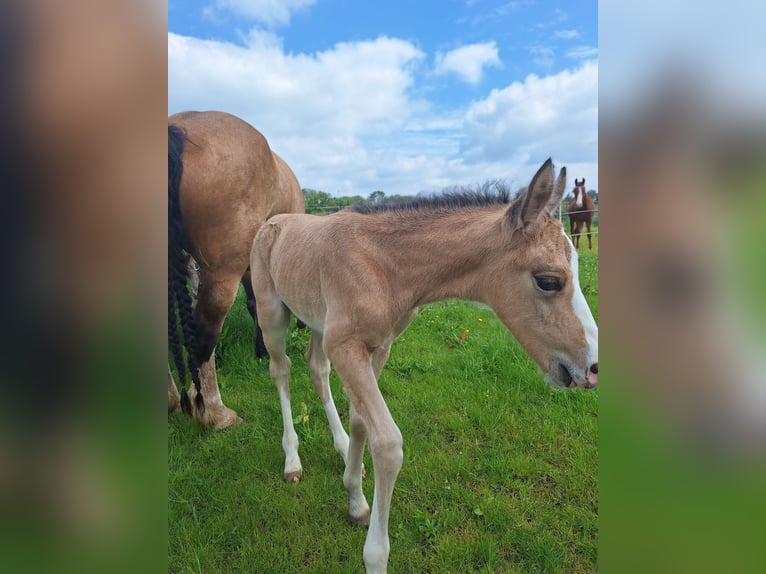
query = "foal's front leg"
x=370 y=414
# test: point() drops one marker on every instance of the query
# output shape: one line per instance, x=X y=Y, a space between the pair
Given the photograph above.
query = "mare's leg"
x=590 y=245
x=319 y=367
x=215 y=299
x=174 y=399
x=370 y=414
x=572 y=227
x=260 y=347
x=217 y=415
x=576 y=234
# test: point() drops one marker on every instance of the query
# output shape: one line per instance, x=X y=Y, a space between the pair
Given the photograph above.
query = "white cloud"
x=543 y=56
x=347 y=121
x=345 y=90
x=524 y=123
x=315 y=109
x=566 y=34
x=468 y=62
x=582 y=53
x=269 y=12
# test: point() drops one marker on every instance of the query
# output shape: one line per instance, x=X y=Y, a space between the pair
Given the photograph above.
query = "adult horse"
x=224 y=182
x=357 y=277
x=581 y=209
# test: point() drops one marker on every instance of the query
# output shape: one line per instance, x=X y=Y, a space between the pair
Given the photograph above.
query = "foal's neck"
x=445 y=255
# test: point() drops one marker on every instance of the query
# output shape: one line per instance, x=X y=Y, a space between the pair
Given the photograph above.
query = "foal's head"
x=536 y=291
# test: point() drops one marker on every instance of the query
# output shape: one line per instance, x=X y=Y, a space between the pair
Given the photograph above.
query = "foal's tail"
x=179 y=297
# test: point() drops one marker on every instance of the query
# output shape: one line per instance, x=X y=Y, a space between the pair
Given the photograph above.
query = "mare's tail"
x=179 y=297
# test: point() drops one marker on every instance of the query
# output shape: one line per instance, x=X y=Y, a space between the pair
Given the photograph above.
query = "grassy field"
x=499 y=474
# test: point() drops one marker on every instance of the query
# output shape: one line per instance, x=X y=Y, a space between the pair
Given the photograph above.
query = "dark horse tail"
x=182 y=328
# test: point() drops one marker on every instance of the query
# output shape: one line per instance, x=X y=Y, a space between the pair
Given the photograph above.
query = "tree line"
x=321 y=202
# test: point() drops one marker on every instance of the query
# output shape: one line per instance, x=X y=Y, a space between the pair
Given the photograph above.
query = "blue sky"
x=399 y=96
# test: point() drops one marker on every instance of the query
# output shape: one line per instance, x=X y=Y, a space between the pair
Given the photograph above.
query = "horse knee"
x=388 y=451
x=279 y=367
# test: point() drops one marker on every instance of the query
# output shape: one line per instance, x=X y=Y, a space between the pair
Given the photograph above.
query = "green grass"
x=499 y=474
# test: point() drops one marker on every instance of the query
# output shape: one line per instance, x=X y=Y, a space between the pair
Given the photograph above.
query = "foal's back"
x=308 y=256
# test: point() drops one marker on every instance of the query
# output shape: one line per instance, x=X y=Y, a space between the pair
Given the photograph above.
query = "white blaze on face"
x=581 y=309
x=578 y=203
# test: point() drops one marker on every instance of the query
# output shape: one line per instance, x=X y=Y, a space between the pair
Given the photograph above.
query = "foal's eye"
x=548 y=283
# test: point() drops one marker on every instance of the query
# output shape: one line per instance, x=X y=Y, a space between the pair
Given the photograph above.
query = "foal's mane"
x=441 y=202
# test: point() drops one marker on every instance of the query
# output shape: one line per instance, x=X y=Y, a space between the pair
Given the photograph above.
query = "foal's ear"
x=558 y=192
x=535 y=199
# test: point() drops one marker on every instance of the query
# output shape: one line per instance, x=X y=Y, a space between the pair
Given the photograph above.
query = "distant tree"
x=316 y=200
x=377 y=197
x=593 y=195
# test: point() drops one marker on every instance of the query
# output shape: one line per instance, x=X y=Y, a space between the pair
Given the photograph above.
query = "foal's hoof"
x=363 y=520
x=294 y=476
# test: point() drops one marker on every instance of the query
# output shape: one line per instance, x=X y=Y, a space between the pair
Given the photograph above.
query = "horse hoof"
x=235 y=421
x=294 y=477
x=226 y=418
x=363 y=521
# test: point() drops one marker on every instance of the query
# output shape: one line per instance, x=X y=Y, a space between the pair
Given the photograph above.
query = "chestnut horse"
x=581 y=209
x=224 y=182
x=357 y=277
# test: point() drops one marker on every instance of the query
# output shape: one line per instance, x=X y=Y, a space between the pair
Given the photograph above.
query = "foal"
x=356 y=278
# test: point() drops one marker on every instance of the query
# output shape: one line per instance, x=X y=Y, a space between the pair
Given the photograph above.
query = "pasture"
x=499 y=474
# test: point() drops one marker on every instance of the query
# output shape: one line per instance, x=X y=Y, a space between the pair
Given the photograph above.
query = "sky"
x=399 y=96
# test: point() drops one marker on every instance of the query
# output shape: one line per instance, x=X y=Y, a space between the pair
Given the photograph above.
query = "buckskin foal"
x=356 y=279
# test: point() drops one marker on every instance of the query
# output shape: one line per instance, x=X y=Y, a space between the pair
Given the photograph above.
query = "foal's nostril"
x=594 y=368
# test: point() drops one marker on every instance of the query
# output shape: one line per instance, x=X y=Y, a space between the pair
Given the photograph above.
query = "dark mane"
x=442 y=201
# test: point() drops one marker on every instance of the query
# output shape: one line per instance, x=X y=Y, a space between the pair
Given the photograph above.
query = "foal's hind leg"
x=590 y=245
x=275 y=319
x=319 y=367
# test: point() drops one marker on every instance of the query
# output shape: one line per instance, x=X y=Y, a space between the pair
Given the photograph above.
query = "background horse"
x=356 y=278
x=581 y=209
x=223 y=182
